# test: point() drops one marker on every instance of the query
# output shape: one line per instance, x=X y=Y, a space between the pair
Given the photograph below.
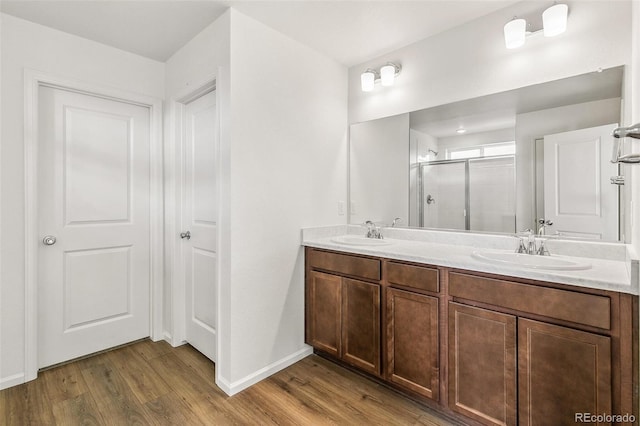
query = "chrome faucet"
x=522 y=246
x=373 y=231
x=395 y=221
x=529 y=246
x=543 y=224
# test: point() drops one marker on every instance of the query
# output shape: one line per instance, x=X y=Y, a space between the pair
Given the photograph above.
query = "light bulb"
x=514 y=33
x=554 y=20
x=367 y=80
x=387 y=75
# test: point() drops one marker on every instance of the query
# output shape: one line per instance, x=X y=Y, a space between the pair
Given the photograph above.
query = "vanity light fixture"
x=554 y=22
x=514 y=33
x=386 y=76
x=461 y=131
x=367 y=80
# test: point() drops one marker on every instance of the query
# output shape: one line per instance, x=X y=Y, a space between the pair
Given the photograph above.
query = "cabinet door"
x=482 y=364
x=324 y=293
x=361 y=325
x=412 y=341
x=561 y=372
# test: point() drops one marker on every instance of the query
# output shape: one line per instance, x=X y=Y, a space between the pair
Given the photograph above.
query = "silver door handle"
x=49 y=240
x=617 y=180
x=186 y=235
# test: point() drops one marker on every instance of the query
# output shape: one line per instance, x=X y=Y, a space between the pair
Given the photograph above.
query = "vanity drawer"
x=580 y=308
x=344 y=264
x=413 y=276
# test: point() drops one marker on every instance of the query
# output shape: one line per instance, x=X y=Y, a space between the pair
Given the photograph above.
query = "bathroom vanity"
x=482 y=343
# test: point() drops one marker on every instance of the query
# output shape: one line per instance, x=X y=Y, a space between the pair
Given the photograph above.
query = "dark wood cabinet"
x=562 y=372
x=412 y=342
x=324 y=312
x=343 y=314
x=482 y=364
x=482 y=348
x=361 y=324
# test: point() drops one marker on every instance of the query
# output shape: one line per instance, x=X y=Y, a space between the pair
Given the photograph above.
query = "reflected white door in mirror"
x=578 y=196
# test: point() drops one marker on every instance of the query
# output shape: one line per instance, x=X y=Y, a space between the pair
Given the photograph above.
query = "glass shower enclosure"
x=476 y=194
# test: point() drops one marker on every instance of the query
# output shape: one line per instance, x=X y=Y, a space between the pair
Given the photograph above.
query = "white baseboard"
x=7 y=382
x=253 y=378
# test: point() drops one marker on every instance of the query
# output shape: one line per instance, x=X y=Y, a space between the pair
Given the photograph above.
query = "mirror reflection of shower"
x=475 y=194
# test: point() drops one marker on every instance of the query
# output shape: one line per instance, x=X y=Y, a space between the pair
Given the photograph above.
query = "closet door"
x=200 y=219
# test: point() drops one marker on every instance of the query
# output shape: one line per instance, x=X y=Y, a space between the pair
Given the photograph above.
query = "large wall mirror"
x=501 y=163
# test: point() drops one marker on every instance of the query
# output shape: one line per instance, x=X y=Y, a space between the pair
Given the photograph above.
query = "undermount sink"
x=357 y=240
x=553 y=263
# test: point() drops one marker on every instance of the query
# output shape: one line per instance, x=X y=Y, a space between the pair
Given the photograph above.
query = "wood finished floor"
x=154 y=384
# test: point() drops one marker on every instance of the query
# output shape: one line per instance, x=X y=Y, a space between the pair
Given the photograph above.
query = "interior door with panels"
x=579 y=199
x=93 y=218
x=200 y=223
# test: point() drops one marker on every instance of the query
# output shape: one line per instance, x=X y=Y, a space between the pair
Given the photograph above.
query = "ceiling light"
x=461 y=130
x=367 y=80
x=554 y=20
x=386 y=76
x=514 y=33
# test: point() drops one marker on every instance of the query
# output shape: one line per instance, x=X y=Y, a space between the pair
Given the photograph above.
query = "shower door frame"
x=421 y=165
x=467 y=191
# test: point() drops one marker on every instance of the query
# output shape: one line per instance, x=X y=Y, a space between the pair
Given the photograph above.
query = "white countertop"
x=609 y=273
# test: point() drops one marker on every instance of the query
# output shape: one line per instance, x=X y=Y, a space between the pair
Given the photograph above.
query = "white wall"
x=199 y=59
x=471 y=60
x=379 y=170
x=288 y=165
x=283 y=150
x=27 y=45
x=534 y=125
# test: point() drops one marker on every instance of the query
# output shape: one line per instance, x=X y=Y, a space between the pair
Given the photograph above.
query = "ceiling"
x=351 y=32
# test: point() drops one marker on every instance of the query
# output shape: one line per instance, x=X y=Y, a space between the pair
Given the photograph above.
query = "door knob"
x=49 y=240
x=186 y=235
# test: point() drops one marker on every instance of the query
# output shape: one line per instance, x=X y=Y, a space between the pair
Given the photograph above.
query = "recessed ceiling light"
x=461 y=130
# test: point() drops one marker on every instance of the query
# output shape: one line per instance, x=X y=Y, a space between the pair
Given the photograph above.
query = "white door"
x=578 y=196
x=200 y=218
x=93 y=186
